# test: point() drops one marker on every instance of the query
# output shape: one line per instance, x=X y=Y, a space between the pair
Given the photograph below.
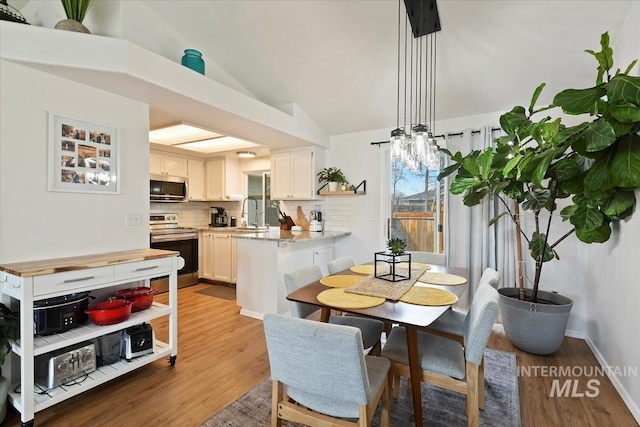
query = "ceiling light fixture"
x=180 y=134
x=246 y=154
x=413 y=143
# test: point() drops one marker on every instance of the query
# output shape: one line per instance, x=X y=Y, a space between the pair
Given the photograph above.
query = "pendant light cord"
x=398 y=92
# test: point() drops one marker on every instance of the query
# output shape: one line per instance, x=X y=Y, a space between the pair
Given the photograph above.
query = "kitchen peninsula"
x=264 y=258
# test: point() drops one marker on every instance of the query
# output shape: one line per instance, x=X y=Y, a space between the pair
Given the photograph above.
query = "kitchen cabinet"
x=165 y=164
x=222 y=176
x=218 y=257
x=26 y=282
x=195 y=173
x=293 y=173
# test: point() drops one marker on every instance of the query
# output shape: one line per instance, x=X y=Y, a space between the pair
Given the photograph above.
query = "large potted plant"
x=594 y=165
x=8 y=335
x=332 y=176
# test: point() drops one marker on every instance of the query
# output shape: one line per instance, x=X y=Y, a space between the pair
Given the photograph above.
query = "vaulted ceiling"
x=337 y=59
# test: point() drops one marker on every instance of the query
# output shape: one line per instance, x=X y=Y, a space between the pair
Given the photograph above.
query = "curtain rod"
x=444 y=136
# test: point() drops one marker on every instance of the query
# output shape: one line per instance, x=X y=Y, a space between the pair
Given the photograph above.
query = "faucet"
x=255 y=224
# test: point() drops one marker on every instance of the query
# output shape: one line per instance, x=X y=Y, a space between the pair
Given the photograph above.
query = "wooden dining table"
x=411 y=316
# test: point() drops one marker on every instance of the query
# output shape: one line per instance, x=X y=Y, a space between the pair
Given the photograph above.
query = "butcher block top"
x=58 y=265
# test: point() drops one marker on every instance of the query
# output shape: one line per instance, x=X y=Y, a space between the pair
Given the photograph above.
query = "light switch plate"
x=133 y=218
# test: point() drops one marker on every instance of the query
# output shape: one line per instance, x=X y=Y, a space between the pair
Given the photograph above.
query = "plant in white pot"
x=75 y=10
x=333 y=176
x=8 y=335
x=595 y=165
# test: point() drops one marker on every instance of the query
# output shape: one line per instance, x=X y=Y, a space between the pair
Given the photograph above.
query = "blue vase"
x=193 y=59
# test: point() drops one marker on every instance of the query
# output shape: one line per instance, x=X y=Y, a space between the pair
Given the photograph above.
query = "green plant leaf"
x=484 y=162
x=619 y=203
x=599 y=175
x=511 y=121
x=568 y=211
x=541 y=169
x=536 y=199
x=470 y=163
x=599 y=235
x=625 y=113
x=579 y=101
x=599 y=135
x=474 y=197
x=618 y=127
x=625 y=168
x=462 y=183
x=551 y=129
x=624 y=89
x=496 y=218
x=537 y=248
x=448 y=171
x=565 y=169
x=630 y=67
x=536 y=95
x=511 y=164
x=586 y=219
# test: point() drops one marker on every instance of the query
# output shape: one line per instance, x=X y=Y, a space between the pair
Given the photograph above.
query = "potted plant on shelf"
x=75 y=11
x=8 y=335
x=332 y=176
x=594 y=166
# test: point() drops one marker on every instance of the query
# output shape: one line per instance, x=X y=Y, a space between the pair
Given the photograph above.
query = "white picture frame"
x=83 y=156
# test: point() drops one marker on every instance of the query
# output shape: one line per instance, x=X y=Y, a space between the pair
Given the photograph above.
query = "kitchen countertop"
x=291 y=236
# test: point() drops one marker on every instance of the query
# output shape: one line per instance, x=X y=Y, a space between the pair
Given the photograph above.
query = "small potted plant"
x=8 y=335
x=396 y=246
x=75 y=11
x=393 y=256
x=332 y=176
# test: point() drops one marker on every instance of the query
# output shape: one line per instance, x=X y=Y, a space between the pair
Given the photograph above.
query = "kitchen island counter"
x=292 y=236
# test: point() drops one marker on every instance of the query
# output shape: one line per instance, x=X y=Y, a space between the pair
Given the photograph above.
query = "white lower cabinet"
x=22 y=284
x=205 y=270
x=218 y=257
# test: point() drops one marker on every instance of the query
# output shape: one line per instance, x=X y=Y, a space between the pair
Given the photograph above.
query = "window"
x=265 y=212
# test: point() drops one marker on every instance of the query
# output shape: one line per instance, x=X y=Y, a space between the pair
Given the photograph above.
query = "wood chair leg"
x=472 y=394
x=277 y=392
x=376 y=349
x=395 y=384
x=481 y=385
x=384 y=416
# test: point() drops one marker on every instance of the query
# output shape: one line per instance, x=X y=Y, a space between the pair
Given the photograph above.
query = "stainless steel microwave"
x=168 y=189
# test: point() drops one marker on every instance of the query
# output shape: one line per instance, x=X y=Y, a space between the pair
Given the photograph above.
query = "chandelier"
x=412 y=140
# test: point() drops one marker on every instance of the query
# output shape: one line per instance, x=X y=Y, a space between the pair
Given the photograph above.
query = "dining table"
x=412 y=316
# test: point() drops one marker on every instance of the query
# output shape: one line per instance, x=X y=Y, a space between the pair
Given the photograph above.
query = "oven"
x=166 y=234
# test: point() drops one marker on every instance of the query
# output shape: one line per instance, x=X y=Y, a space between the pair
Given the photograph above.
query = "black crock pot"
x=59 y=314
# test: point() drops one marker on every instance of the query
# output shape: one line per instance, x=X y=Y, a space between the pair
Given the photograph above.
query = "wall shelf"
x=356 y=192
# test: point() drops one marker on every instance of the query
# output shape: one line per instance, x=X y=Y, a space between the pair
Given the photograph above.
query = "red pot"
x=110 y=312
x=142 y=297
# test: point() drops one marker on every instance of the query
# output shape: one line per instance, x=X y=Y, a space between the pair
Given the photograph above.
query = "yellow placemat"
x=423 y=295
x=366 y=268
x=415 y=265
x=337 y=298
x=442 y=279
x=340 y=280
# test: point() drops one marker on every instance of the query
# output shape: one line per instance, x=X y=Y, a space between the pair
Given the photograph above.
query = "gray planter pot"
x=535 y=328
x=72 y=25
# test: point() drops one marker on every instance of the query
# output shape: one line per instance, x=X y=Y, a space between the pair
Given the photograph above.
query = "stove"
x=165 y=233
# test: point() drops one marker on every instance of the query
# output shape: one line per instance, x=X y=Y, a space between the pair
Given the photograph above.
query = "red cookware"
x=140 y=297
x=110 y=312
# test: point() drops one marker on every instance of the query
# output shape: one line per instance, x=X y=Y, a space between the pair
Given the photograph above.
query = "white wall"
x=613 y=268
x=36 y=223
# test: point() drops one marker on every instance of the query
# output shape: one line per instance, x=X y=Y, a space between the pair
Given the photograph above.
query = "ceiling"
x=337 y=59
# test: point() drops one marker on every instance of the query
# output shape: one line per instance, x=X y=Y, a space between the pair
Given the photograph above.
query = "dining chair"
x=340 y=264
x=451 y=323
x=428 y=257
x=319 y=372
x=447 y=363
x=370 y=329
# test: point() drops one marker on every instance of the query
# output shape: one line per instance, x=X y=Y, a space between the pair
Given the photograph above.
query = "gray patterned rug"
x=441 y=407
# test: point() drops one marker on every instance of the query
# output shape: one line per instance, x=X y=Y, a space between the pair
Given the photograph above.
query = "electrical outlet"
x=133 y=218
x=373 y=217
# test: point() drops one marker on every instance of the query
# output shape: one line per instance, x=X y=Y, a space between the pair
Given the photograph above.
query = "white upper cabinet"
x=293 y=173
x=195 y=170
x=164 y=164
x=222 y=176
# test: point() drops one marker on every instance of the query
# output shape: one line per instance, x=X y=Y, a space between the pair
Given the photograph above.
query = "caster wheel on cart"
x=172 y=360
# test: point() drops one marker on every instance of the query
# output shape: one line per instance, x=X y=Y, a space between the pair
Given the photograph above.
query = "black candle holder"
x=392 y=260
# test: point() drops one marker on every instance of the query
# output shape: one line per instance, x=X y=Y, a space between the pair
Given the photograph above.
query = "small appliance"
x=64 y=365
x=168 y=189
x=59 y=314
x=316 y=223
x=138 y=341
x=219 y=218
x=109 y=348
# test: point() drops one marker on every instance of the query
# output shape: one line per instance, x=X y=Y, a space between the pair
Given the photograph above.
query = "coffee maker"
x=219 y=218
x=316 y=223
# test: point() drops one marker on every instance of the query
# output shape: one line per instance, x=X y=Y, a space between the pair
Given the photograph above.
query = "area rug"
x=219 y=291
x=440 y=407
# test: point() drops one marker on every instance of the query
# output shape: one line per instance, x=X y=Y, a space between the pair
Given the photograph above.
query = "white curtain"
x=472 y=243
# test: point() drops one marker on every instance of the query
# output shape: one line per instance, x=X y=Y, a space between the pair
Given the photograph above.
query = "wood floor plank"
x=222 y=355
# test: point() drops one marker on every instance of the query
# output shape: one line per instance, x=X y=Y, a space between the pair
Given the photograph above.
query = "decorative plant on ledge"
x=75 y=10
x=596 y=163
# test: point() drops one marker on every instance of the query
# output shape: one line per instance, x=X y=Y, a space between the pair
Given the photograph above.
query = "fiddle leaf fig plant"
x=594 y=164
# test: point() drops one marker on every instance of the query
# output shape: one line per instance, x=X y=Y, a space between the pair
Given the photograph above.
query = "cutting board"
x=301 y=220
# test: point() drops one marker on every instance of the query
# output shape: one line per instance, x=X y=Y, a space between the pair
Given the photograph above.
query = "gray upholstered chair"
x=371 y=329
x=340 y=264
x=447 y=363
x=323 y=369
x=428 y=257
x=451 y=323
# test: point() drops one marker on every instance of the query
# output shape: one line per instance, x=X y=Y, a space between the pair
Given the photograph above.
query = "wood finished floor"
x=222 y=355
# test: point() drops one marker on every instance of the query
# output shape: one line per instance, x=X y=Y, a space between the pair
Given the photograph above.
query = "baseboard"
x=633 y=407
x=251 y=314
x=575 y=334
